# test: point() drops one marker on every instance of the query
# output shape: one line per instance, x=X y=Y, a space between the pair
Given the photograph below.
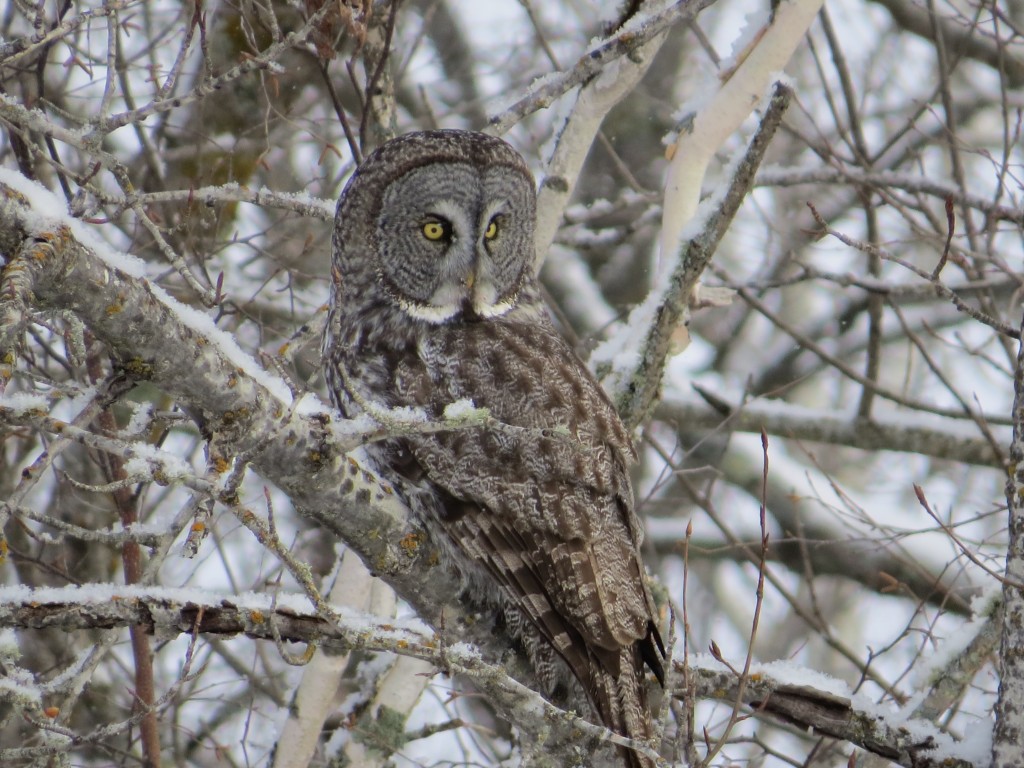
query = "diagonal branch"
x=244 y=412
x=637 y=392
x=596 y=98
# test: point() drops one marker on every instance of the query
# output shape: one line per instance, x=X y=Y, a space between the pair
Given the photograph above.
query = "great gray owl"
x=434 y=301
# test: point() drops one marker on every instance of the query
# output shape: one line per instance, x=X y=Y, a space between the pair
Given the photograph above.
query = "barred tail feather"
x=621 y=702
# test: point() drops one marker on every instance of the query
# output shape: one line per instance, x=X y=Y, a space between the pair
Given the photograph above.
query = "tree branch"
x=826 y=713
x=964 y=40
x=576 y=134
x=663 y=311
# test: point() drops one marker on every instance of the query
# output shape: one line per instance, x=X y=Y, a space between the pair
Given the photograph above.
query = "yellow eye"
x=434 y=230
x=492 y=229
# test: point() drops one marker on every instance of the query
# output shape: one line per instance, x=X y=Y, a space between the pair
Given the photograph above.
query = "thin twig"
x=744 y=675
x=1003 y=328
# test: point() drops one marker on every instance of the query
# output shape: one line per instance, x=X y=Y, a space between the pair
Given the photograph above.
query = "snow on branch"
x=635 y=376
x=595 y=100
x=13 y=50
x=789 y=177
x=167 y=612
x=724 y=112
x=299 y=203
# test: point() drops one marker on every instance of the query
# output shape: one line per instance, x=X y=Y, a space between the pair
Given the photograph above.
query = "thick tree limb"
x=719 y=117
x=164 y=613
x=830 y=714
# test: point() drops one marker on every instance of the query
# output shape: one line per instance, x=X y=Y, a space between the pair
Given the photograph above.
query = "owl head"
x=442 y=223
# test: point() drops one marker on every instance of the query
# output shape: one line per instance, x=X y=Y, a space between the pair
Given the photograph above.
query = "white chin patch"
x=449 y=300
x=442 y=314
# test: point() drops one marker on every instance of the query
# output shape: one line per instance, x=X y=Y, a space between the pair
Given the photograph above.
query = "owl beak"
x=470 y=279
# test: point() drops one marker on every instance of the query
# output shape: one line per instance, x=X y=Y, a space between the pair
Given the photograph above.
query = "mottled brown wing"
x=544 y=503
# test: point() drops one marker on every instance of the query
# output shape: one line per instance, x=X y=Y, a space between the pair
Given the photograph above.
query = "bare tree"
x=802 y=290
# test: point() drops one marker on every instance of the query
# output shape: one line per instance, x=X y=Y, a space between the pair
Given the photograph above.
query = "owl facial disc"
x=455 y=240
